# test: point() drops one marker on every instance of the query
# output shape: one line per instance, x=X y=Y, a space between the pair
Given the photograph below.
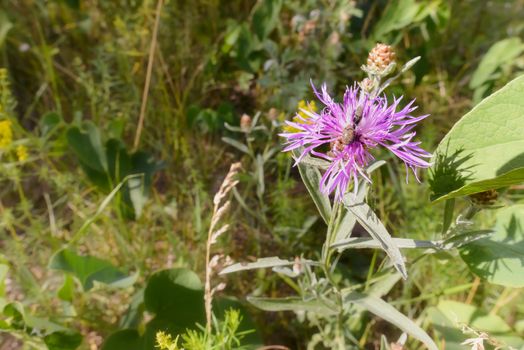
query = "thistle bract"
x=345 y=133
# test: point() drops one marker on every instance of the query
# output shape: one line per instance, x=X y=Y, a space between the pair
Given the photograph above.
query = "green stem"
x=448 y=215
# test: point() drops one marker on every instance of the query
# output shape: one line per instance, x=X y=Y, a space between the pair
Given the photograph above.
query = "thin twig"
x=473 y=291
x=145 y=93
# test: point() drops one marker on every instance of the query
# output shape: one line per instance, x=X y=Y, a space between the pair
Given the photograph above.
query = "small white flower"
x=476 y=343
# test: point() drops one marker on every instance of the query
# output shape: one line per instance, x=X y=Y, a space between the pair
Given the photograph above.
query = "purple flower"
x=345 y=133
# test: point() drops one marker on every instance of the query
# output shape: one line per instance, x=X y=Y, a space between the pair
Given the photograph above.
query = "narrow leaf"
x=311 y=177
x=382 y=309
x=370 y=221
x=262 y=263
x=291 y=304
x=405 y=243
x=240 y=146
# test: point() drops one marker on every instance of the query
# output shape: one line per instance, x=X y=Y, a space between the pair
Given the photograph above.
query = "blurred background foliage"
x=72 y=92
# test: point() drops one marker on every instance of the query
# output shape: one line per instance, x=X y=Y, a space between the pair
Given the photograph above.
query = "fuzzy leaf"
x=370 y=221
x=382 y=309
x=262 y=263
x=311 y=177
x=290 y=304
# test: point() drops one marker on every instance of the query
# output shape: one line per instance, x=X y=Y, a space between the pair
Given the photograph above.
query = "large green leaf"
x=176 y=294
x=500 y=54
x=176 y=298
x=89 y=269
x=107 y=165
x=448 y=318
x=125 y=339
x=490 y=141
x=382 y=309
x=499 y=259
x=87 y=145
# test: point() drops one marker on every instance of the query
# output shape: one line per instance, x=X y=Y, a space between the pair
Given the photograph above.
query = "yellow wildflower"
x=165 y=342
x=302 y=105
x=21 y=153
x=6 y=133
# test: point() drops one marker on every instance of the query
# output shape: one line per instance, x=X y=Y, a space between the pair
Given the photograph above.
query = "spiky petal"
x=344 y=133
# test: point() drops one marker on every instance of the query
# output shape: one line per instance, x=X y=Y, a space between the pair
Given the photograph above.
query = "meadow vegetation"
x=119 y=121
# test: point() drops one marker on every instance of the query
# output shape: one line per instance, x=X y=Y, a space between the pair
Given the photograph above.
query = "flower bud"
x=245 y=122
x=272 y=114
x=367 y=85
x=380 y=57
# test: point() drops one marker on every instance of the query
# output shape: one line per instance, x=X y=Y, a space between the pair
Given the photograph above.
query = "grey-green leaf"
x=370 y=221
x=262 y=263
x=291 y=304
x=382 y=309
x=311 y=177
x=405 y=243
x=349 y=220
x=238 y=145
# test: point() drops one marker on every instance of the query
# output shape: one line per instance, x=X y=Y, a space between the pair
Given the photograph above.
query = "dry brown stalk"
x=145 y=93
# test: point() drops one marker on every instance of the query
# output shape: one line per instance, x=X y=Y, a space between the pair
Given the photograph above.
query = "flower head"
x=380 y=57
x=6 y=133
x=344 y=134
x=302 y=115
x=21 y=153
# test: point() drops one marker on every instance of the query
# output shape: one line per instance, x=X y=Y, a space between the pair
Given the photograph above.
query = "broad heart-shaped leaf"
x=311 y=177
x=499 y=259
x=372 y=224
x=448 y=317
x=503 y=52
x=176 y=298
x=176 y=294
x=490 y=139
x=89 y=269
x=382 y=309
x=87 y=145
x=107 y=165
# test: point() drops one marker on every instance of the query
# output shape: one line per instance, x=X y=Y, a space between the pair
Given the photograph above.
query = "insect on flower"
x=349 y=130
